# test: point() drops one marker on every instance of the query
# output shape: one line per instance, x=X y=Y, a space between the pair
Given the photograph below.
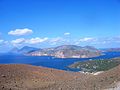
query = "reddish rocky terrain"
x=27 y=77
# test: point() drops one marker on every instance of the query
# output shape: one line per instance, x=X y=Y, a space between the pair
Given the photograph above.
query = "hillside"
x=27 y=77
x=95 y=65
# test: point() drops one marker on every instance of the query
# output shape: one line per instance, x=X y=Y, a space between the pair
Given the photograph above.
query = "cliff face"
x=68 y=51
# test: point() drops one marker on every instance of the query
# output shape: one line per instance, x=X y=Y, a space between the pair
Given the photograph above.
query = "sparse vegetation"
x=39 y=78
x=96 y=65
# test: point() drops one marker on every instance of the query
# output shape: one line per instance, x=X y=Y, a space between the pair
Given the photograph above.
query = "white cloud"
x=1 y=41
x=98 y=41
x=23 y=41
x=36 y=40
x=18 y=41
x=67 y=33
x=61 y=41
x=86 y=39
x=20 y=32
x=56 y=41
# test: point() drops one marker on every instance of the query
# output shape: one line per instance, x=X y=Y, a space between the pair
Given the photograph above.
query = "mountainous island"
x=64 y=51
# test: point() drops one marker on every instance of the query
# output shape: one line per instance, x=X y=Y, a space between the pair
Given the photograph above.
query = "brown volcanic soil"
x=27 y=77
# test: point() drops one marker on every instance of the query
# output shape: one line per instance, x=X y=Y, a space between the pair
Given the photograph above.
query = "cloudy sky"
x=49 y=23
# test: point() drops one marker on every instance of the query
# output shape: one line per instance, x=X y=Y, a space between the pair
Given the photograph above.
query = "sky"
x=49 y=23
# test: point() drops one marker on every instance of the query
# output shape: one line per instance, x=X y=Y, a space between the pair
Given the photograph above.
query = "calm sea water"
x=48 y=61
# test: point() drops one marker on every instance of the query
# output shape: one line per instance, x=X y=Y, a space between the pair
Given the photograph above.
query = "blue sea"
x=47 y=61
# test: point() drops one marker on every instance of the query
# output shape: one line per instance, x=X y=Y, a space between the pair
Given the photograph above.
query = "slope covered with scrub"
x=27 y=77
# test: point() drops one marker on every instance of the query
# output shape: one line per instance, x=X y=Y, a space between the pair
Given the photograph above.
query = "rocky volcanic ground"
x=27 y=77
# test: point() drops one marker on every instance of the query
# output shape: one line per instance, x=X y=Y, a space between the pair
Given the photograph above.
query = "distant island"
x=64 y=51
x=23 y=50
x=111 y=50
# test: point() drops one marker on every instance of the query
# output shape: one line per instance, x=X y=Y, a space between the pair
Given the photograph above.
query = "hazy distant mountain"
x=23 y=50
x=14 y=50
x=111 y=50
x=68 y=51
x=27 y=49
